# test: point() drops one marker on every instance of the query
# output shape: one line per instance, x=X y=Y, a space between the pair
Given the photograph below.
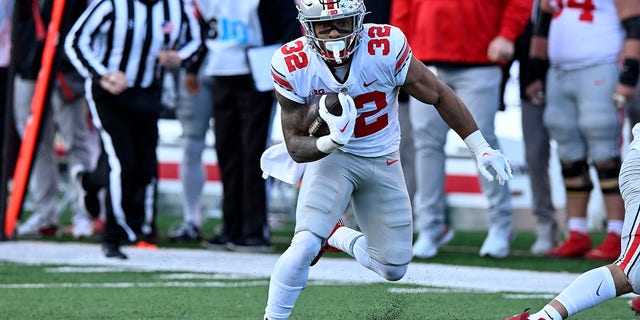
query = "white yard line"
x=259 y=266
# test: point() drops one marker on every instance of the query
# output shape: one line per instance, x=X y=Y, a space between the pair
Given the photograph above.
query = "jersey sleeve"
x=390 y=50
x=402 y=55
x=283 y=78
x=77 y=44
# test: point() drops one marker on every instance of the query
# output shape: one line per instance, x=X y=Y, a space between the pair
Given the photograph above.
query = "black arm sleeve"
x=541 y=27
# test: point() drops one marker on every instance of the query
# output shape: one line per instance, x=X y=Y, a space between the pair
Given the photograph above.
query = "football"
x=317 y=126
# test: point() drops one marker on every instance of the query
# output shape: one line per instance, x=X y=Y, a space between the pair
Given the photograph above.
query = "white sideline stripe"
x=134 y=285
x=86 y=269
x=259 y=266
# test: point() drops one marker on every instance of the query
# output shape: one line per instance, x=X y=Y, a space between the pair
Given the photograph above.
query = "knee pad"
x=307 y=245
x=608 y=172
x=576 y=177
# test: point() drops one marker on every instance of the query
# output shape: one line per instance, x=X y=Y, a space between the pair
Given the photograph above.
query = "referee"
x=121 y=47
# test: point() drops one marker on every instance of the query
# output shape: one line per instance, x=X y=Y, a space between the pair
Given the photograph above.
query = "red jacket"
x=458 y=31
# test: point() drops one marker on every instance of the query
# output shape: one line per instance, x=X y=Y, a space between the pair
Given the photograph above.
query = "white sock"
x=615 y=226
x=578 y=224
x=587 y=290
x=547 y=313
x=344 y=239
x=290 y=275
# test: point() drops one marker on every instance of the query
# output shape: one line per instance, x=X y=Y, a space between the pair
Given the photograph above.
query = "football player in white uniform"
x=367 y=64
x=622 y=276
x=583 y=86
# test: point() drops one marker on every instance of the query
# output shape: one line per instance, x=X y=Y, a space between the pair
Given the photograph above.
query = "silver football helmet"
x=339 y=49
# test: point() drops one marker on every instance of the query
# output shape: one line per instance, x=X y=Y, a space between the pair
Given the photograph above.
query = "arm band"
x=632 y=27
x=630 y=71
x=538 y=69
x=541 y=27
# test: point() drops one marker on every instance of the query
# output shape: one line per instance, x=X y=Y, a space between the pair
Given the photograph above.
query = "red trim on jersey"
x=281 y=81
x=632 y=247
x=403 y=57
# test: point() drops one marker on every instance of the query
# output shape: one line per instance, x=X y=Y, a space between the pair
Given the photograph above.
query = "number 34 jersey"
x=584 y=33
x=378 y=68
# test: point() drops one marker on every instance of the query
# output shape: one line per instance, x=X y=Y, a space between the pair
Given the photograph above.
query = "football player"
x=622 y=276
x=582 y=87
x=367 y=64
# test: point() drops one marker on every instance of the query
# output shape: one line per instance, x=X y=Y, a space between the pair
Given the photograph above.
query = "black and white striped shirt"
x=114 y=35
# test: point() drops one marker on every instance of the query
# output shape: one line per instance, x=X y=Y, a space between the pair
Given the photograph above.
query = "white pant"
x=67 y=121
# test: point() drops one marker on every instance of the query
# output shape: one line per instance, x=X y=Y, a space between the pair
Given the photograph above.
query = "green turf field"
x=108 y=292
x=78 y=294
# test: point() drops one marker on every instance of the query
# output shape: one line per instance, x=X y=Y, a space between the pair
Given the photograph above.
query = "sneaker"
x=35 y=226
x=218 y=242
x=38 y=231
x=497 y=243
x=634 y=304
x=113 y=251
x=609 y=250
x=546 y=239
x=326 y=247
x=427 y=246
x=145 y=245
x=522 y=316
x=186 y=232
x=575 y=246
x=98 y=225
x=48 y=231
x=251 y=244
x=82 y=228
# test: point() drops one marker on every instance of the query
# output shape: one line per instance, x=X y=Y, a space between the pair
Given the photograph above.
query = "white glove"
x=340 y=127
x=487 y=157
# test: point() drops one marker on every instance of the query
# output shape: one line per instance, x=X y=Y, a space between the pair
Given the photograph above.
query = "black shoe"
x=113 y=251
x=186 y=233
x=219 y=242
x=251 y=244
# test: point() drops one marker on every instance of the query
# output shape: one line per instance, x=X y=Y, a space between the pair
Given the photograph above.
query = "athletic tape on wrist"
x=538 y=68
x=630 y=72
x=632 y=27
x=326 y=144
x=476 y=143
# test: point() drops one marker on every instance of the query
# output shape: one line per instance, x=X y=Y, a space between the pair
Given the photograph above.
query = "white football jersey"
x=584 y=32
x=378 y=68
